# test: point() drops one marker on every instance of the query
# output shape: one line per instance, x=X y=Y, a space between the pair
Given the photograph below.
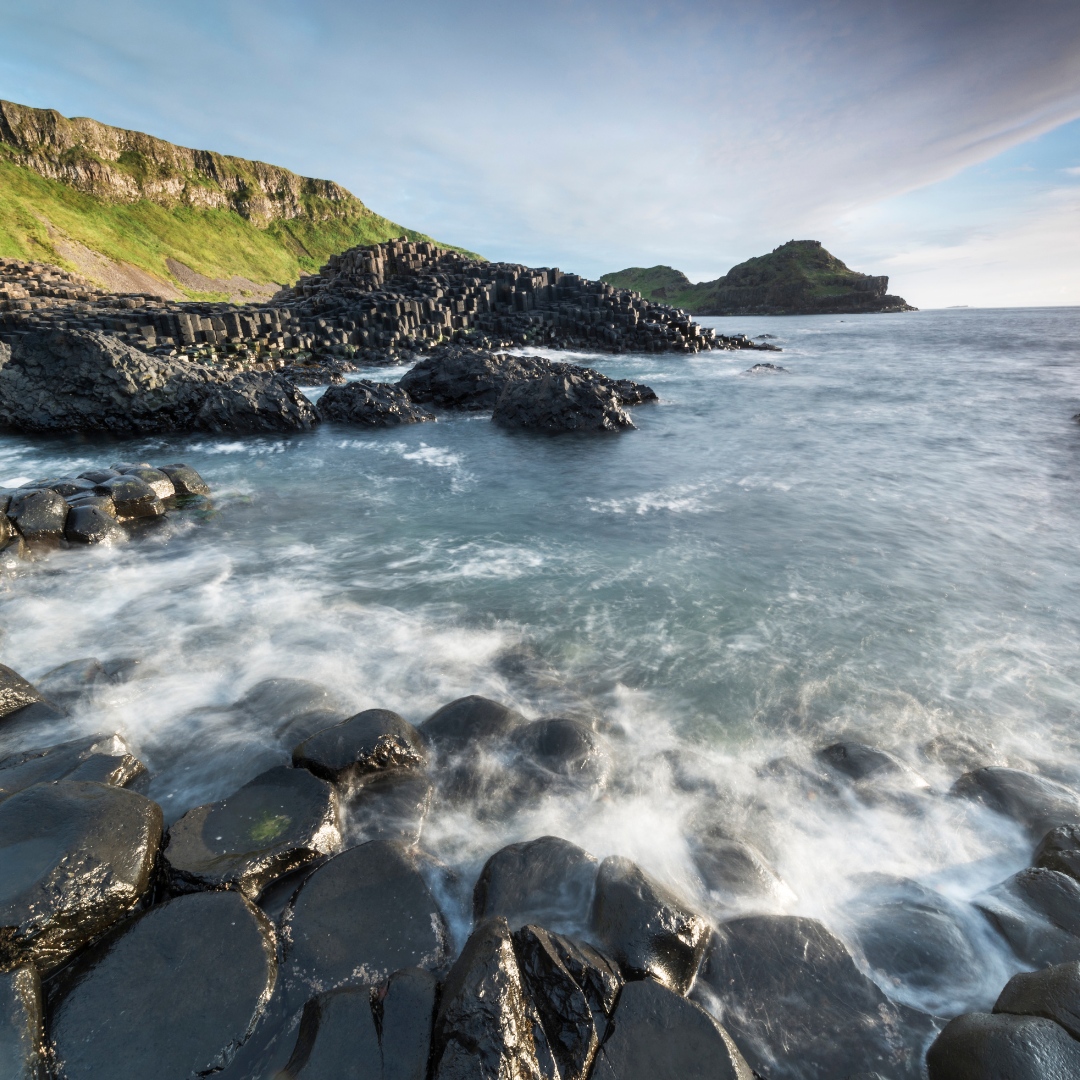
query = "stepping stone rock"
x=1053 y=993
x=75 y=857
x=547 y=881
x=185 y=480
x=982 y=1046
x=735 y=873
x=486 y=1026
x=102 y=503
x=38 y=515
x=799 y=1009
x=103 y=759
x=16 y=693
x=1038 y=913
x=371 y=741
x=1060 y=850
x=657 y=1035
x=646 y=927
x=133 y=498
x=858 y=762
x=282 y=820
x=389 y=805
x=371 y=404
x=338 y=1038
x=560 y=753
x=286 y=706
x=158 y=482
x=361 y=916
x=562 y=402
x=89 y=525
x=98 y=476
x=22 y=1026
x=1033 y=801
x=467 y=721
x=170 y=996
x=408 y=1014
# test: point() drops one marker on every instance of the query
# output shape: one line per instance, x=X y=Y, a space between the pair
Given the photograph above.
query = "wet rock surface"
x=983 y=1046
x=468 y=721
x=338 y=1037
x=172 y=994
x=562 y=402
x=645 y=927
x=75 y=856
x=22 y=1026
x=390 y=804
x=371 y=404
x=734 y=872
x=408 y=1015
x=1038 y=913
x=658 y=1035
x=1035 y=802
x=1053 y=993
x=16 y=693
x=1060 y=850
x=104 y=759
x=276 y=823
x=371 y=741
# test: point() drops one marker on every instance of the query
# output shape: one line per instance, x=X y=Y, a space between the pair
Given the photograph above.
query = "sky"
x=936 y=142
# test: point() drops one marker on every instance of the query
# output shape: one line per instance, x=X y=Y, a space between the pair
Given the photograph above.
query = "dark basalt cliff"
x=797 y=278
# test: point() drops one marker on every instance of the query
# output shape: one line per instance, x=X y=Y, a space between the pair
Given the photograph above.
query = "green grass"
x=215 y=243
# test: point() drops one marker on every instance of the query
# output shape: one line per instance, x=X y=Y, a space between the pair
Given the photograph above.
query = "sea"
x=879 y=543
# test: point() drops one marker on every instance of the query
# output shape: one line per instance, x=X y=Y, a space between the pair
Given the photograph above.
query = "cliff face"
x=797 y=278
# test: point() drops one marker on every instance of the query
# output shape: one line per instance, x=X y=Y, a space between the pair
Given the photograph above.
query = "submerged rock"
x=799 y=1009
x=467 y=721
x=282 y=820
x=75 y=856
x=858 y=761
x=1060 y=850
x=361 y=916
x=185 y=480
x=290 y=707
x=735 y=873
x=372 y=404
x=1053 y=993
x=389 y=805
x=1033 y=801
x=170 y=996
x=658 y=1035
x=22 y=1025
x=1038 y=913
x=982 y=1046
x=547 y=881
x=559 y=753
x=371 y=741
x=104 y=759
x=562 y=402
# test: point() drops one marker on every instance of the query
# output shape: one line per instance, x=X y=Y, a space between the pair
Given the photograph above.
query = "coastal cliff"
x=797 y=278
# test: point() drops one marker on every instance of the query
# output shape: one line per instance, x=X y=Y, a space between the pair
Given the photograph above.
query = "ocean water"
x=881 y=543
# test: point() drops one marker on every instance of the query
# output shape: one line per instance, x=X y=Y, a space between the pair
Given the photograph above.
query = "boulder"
x=90 y=525
x=1060 y=850
x=98 y=476
x=16 y=693
x=562 y=402
x=185 y=480
x=389 y=805
x=646 y=927
x=1038 y=913
x=75 y=856
x=171 y=995
x=408 y=1014
x=370 y=741
x=561 y=753
x=1053 y=993
x=132 y=497
x=79 y=380
x=548 y=880
x=1033 y=801
x=858 y=761
x=103 y=759
x=361 y=916
x=734 y=872
x=486 y=1026
x=338 y=1038
x=371 y=404
x=38 y=515
x=22 y=1025
x=983 y=1046
x=282 y=820
x=102 y=503
x=155 y=479
x=658 y=1035
x=291 y=707
x=468 y=721
x=799 y=1009
x=71 y=681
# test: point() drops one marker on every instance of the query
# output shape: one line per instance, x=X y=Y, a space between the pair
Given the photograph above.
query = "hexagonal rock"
x=39 y=515
x=75 y=857
x=370 y=741
x=22 y=1026
x=982 y=1046
x=467 y=721
x=158 y=481
x=276 y=823
x=186 y=481
x=361 y=916
x=90 y=525
x=104 y=759
x=133 y=498
x=170 y=996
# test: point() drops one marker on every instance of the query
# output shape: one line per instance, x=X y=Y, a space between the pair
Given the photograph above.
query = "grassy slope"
x=647 y=280
x=216 y=243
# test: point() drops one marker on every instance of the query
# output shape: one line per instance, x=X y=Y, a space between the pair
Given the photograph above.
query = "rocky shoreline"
x=297 y=929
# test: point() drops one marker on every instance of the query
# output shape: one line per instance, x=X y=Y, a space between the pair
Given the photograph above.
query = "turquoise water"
x=880 y=543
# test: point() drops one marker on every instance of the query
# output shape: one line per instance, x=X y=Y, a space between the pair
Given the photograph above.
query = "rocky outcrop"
x=563 y=402
x=371 y=404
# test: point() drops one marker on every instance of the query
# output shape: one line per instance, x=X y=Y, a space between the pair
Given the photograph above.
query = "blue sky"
x=929 y=141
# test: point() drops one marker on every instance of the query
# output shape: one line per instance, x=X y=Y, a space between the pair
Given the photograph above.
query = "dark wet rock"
x=276 y=823
x=68 y=486
x=98 y=476
x=548 y=881
x=158 y=481
x=290 y=706
x=657 y=1035
x=103 y=759
x=408 y=1014
x=1033 y=801
x=132 y=497
x=562 y=402
x=860 y=762
x=74 y=858
x=486 y=1025
x=185 y=480
x=1038 y=913
x=371 y=404
x=1053 y=993
x=984 y=1046
x=338 y=1038
x=101 y=503
x=734 y=872
x=560 y=752
x=361 y=916
x=173 y=994
x=389 y=805
x=16 y=693
x=38 y=515
x=799 y=1009
x=574 y=989
x=917 y=942
x=646 y=927
x=467 y=721
x=764 y=369
x=70 y=681
x=252 y=403
x=89 y=525
x=1060 y=850
x=22 y=1025
x=373 y=740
